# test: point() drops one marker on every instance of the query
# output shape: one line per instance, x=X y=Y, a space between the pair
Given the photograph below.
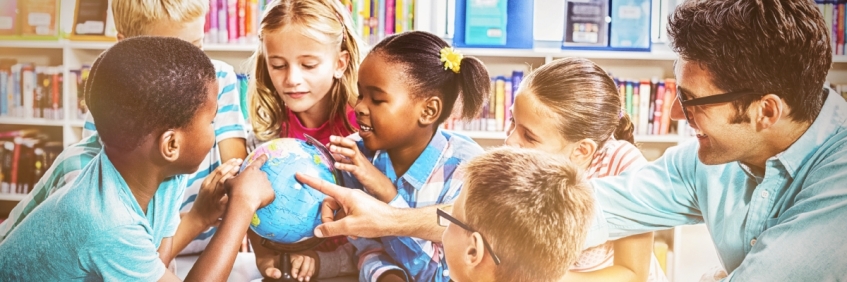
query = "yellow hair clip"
x=451 y=58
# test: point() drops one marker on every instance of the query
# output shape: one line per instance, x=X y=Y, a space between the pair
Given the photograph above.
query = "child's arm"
x=248 y=191
x=229 y=121
x=208 y=208
x=632 y=261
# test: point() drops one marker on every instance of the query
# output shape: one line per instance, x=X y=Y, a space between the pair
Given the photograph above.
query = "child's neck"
x=404 y=157
x=317 y=115
x=142 y=177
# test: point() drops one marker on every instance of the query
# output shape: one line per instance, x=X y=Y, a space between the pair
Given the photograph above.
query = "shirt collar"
x=829 y=121
x=424 y=165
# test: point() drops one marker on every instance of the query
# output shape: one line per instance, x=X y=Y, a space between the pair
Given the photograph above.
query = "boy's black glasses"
x=445 y=219
x=714 y=99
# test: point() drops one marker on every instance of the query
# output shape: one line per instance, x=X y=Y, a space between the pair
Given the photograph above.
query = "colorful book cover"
x=223 y=32
x=231 y=21
x=38 y=17
x=485 y=22
x=630 y=27
x=212 y=34
x=91 y=17
x=8 y=17
x=241 y=11
x=585 y=23
x=499 y=95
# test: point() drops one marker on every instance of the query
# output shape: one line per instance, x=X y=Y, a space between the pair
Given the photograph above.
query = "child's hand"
x=251 y=186
x=211 y=199
x=376 y=183
x=304 y=265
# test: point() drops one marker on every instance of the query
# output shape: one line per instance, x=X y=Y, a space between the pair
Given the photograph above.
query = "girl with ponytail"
x=408 y=85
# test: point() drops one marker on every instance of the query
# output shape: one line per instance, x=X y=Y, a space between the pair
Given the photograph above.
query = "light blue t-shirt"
x=93 y=229
x=786 y=225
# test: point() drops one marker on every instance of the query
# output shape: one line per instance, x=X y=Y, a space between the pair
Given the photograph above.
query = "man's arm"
x=365 y=216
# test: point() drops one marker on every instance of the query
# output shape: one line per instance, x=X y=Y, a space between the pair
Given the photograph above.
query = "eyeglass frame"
x=713 y=99
x=445 y=215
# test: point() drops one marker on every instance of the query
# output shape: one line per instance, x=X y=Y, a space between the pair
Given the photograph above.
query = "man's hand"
x=251 y=186
x=352 y=160
x=211 y=199
x=361 y=214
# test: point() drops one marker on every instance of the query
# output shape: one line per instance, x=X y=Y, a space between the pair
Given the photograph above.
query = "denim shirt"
x=786 y=225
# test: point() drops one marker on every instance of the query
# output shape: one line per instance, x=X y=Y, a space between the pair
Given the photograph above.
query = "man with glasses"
x=767 y=173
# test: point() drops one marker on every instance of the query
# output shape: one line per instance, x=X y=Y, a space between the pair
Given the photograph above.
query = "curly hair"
x=145 y=85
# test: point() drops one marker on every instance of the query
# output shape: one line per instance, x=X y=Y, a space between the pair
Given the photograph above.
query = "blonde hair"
x=322 y=19
x=536 y=219
x=134 y=17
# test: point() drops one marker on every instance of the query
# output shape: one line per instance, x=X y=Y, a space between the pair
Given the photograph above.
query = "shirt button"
x=764 y=194
x=753 y=242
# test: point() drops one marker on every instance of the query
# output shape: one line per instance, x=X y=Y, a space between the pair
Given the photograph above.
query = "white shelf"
x=495 y=135
x=29 y=44
x=30 y=121
x=230 y=47
x=89 y=45
x=12 y=197
x=839 y=59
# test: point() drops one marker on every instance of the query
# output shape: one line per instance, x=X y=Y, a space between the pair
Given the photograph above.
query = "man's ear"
x=431 y=110
x=769 y=110
x=169 y=145
x=583 y=152
x=341 y=65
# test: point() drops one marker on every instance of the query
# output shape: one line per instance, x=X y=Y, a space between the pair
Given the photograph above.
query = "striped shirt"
x=614 y=158
x=229 y=123
x=433 y=179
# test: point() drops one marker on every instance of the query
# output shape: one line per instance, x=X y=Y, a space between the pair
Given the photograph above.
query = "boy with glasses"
x=524 y=227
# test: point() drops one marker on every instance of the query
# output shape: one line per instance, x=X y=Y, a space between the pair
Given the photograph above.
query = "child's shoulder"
x=461 y=146
x=223 y=69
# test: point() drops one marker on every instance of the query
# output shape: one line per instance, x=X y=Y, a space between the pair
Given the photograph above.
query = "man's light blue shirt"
x=787 y=225
x=93 y=229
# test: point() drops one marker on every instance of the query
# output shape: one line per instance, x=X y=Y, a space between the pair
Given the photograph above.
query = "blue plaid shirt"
x=432 y=180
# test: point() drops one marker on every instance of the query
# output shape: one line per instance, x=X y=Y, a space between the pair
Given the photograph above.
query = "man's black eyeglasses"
x=445 y=219
x=714 y=99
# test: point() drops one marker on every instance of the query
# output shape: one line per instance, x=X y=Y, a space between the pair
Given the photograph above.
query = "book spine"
x=499 y=96
x=223 y=33
x=4 y=80
x=13 y=175
x=28 y=77
x=242 y=21
x=212 y=34
x=6 y=166
x=380 y=19
x=644 y=107
x=390 y=17
x=16 y=105
x=56 y=93
x=232 y=21
x=659 y=110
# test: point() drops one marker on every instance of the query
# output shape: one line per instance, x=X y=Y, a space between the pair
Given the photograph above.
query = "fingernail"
x=319 y=233
x=307 y=278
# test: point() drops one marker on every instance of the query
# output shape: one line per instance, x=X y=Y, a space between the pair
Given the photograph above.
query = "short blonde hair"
x=326 y=21
x=533 y=208
x=134 y=17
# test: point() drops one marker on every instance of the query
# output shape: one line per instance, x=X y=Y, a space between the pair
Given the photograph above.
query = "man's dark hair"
x=146 y=85
x=777 y=47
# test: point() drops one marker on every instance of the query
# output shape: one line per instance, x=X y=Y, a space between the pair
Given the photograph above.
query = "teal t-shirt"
x=94 y=229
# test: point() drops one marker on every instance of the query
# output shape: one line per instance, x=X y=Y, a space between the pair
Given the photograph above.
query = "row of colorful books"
x=30 y=91
x=237 y=21
x=24 y=156
x=834 y=13
x=495 y=113
x=648 y=103
x=28 y=18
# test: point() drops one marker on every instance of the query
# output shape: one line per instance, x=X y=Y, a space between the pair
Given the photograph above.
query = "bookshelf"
x=658 y=62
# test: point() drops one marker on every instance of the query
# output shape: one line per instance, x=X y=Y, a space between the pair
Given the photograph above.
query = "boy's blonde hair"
x=533 y=208
x=134 y=17
x=323 y=20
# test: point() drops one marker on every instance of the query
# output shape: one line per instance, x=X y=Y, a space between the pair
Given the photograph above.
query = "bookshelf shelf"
x=12 y=197
x=839 y=59
x=89 y=45
x=31 y=44
x=30 y=121
x=248 y=48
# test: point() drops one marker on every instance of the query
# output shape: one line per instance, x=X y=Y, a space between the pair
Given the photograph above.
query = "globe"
x=295 y=212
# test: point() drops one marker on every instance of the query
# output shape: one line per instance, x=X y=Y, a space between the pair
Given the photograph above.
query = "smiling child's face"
x=386 y=111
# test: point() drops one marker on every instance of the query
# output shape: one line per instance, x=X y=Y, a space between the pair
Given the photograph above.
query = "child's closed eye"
x=278 y=67
x=308 y=67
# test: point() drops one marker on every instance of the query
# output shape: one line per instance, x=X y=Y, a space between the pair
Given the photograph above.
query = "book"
x=486 y=22
x=8 y=17
x=585 y=23
x=38 y=17
x=91 y=17
x=630 y=26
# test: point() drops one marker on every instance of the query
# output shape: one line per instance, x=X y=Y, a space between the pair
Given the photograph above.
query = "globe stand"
x=284 y=251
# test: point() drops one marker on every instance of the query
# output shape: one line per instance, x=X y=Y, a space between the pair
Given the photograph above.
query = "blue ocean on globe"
x=295 y=212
